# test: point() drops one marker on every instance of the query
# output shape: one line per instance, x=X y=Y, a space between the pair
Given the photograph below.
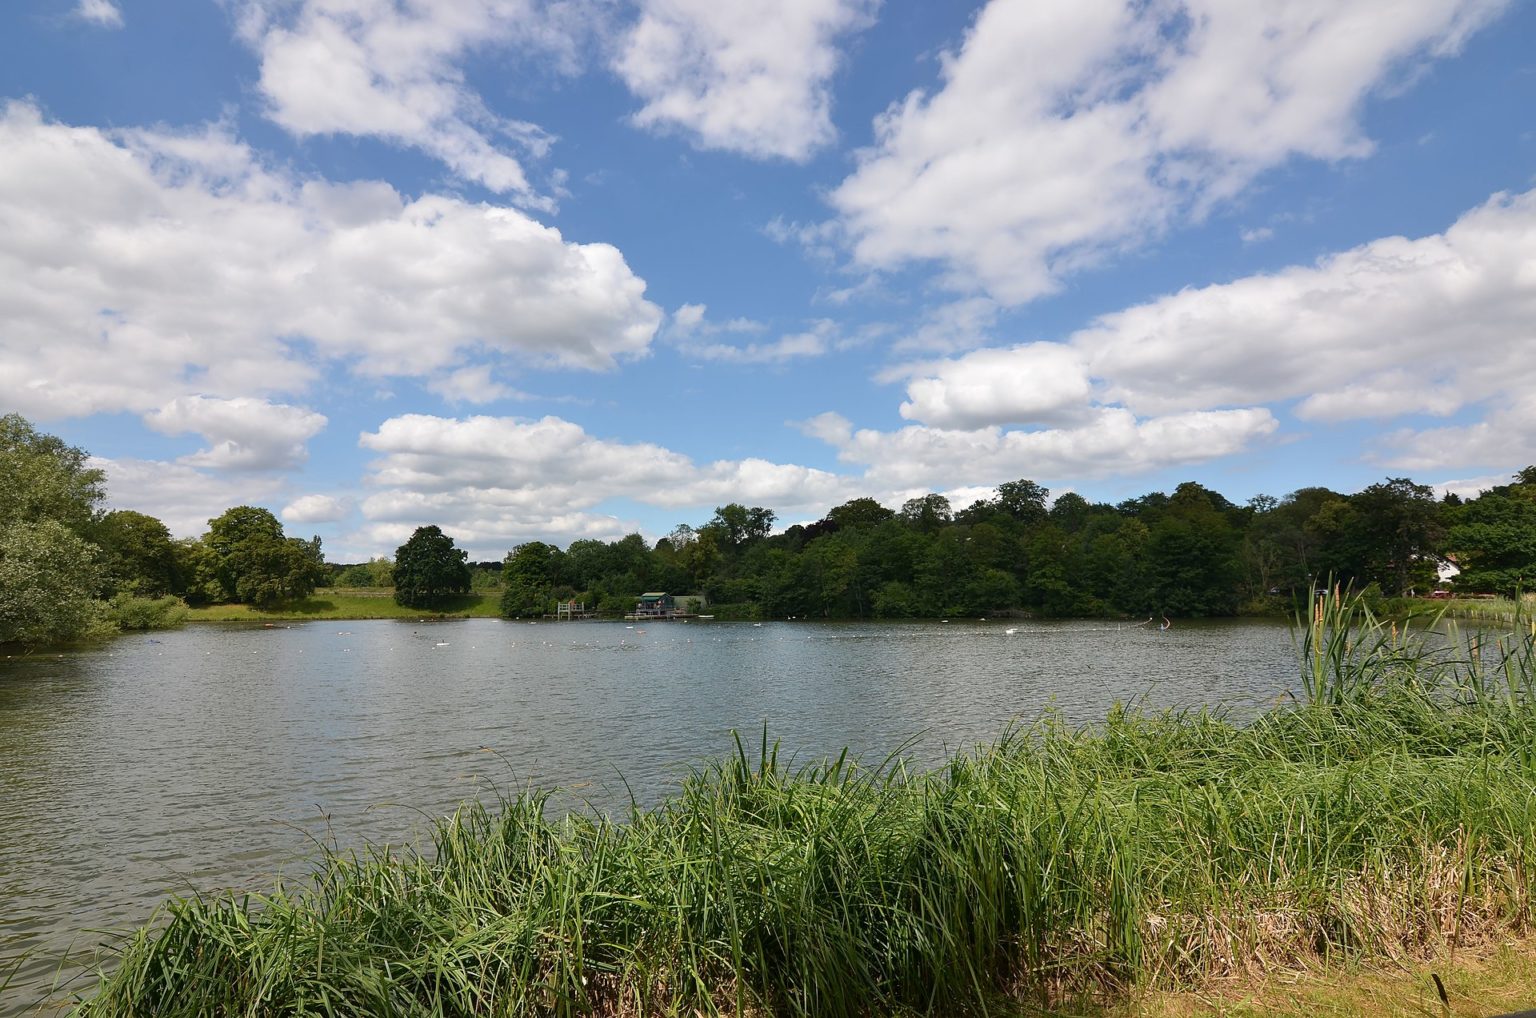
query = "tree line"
x=1191 y=552
x=69 y=569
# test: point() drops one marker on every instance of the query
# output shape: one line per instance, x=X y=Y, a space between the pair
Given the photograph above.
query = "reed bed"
x=1389 y=810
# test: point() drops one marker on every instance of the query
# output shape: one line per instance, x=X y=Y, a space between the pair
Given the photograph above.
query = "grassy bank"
x=1492 y=978
x=350 y=604
x=1389 y=813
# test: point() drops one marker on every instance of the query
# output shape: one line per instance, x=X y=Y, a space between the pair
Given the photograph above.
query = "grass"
x=352 y=603
x=1498 y=977
x=1388 y=815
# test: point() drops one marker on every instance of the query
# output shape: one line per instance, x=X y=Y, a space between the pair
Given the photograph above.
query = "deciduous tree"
x=48 y=581
x=429 y=568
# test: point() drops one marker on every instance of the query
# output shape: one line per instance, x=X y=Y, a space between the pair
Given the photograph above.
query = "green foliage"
x=41 y=478
x=140 y=555
x=376 y=572
x=48 y=582
x=928 y=513
x=130 y=613
x=246 y=559
x=1493 y=539
x=428 y=568
x=859 y=512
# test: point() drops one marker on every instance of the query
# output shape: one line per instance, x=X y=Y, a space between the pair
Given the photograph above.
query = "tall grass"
x=1390 y=810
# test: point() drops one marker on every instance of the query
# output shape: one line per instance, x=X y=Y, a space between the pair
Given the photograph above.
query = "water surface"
x=217 y=755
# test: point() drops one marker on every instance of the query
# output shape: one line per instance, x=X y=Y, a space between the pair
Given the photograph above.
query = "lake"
x=216 y=756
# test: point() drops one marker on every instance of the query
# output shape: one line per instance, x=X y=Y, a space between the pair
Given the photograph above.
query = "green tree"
x=428 y=568
x=376 y=572
x=859 y=512
x=1024 y=500
x=254 y=563
x=928 y=513
x=1399 y=530
x=140 y=555
x=42 y=478
x=739 y=525
x=48 y=582
x=1192 y=555
x=1493 y=538
x=531 y=572
x=50 y=571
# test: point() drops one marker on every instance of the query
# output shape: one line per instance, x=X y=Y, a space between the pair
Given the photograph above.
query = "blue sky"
x=554 y=270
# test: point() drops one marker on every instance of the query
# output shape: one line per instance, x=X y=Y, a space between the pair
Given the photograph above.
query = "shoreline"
x=1150 y=853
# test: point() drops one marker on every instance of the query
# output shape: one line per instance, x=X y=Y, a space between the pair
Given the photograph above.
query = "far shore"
x=361 y=604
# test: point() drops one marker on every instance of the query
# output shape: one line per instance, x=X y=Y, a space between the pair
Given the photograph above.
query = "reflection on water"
x=216 y=756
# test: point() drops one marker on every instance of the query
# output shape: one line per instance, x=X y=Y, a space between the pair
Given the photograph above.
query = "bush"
x=131 y=613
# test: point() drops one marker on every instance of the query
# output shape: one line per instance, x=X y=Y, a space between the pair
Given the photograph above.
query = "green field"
x=356 y=603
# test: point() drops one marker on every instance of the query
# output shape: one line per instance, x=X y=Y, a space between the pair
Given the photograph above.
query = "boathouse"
x=656 y=604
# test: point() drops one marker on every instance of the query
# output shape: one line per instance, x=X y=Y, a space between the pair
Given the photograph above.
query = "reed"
x=1390 y=811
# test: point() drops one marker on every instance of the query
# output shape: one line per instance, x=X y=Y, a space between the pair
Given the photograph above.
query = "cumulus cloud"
x=1379 y=331
x=502 y=478
x=99 y=12
x=243 y=433
x=317 y=509
x=1108 y=441
x=1063 y=133
x=472 y=384
x=142 y=266
x=730 y=77
x=1391 y=330
x=1038 y=383
x=393 y=71
x=181 y=496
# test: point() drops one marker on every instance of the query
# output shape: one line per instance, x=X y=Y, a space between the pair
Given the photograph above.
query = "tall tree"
x=428 y=568
x=530 y=572
x=739 y=525
x=42 y=478
x=48 y=582
x=1493 y=538
x=50 y=571
x=1400 y=532
x=1024 y=500
x=140 y=555
x=928 y=513
x=254 y=563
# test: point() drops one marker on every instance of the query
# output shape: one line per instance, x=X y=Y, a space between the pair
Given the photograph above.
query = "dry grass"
x=1479 y=980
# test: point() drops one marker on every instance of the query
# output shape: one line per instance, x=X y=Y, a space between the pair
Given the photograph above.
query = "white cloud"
x=732 y=75
x=317 y=509
x=704 y=339
x=503 y=479
x=958 y=325
x=1064 y=133
x=1039 y=383
x=1506 y=436
x=143 y=266
x=1110 y=441
x=816 y=341
x=180 y=496
x=243 y=433
x=393 y=71
x=472 y=385
x=1390 y=328
x=1470 y=487
x=1394 y=329
x=100 y=12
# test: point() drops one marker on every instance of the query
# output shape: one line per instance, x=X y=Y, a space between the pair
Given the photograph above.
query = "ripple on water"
x=218 y=756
